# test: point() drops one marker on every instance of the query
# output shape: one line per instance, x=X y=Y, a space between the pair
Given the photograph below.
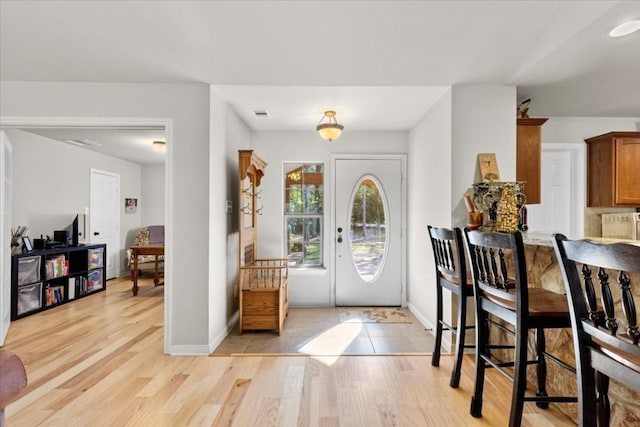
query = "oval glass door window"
x=368 y=237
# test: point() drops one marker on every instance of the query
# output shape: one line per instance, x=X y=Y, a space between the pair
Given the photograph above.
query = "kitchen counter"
x=542 y=239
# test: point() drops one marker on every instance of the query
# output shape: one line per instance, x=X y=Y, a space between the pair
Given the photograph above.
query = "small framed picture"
x=26 y=244
x=130 y=205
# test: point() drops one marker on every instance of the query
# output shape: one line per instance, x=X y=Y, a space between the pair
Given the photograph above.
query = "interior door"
x=553 y=214
x=104 y=214
x=368 y=232
x=5 y=227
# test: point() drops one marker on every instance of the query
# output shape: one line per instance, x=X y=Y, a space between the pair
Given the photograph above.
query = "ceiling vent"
x=82 y=142
x=260 y=113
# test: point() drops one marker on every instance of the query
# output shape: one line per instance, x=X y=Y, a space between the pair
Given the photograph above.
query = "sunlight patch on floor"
x=328 y=346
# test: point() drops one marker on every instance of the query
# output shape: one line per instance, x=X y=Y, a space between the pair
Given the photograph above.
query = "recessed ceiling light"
x=625 y=29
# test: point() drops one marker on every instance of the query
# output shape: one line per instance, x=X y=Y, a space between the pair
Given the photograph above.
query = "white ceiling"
x=379 y=64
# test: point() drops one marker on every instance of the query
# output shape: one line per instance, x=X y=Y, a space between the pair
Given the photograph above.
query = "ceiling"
x=380 y=64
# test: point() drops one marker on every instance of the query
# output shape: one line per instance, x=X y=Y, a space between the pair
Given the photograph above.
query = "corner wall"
x=429 y=189
x=228 y=135
x=443 y=165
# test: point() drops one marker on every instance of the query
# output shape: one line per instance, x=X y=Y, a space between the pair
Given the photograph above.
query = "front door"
x=104 y=216
x=369 y=244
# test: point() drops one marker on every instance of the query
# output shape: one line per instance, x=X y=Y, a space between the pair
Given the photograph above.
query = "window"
x=304 y=213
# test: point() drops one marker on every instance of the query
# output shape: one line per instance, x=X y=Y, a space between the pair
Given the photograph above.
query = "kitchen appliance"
x=621 y=225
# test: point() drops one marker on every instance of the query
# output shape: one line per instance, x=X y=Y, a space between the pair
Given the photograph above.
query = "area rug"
x=374 y=315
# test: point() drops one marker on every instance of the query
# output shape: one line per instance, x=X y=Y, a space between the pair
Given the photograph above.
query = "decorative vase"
x=508 y=214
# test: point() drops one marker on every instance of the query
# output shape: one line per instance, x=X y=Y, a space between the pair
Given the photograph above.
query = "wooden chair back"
x=448 y=254
x=498 y=268
x=603 y=316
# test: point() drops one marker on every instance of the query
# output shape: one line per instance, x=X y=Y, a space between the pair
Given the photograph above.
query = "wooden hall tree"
x=263 y=284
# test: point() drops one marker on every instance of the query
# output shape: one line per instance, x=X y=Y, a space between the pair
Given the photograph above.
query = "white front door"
x=104 y=214
x=6 y=163
x=368 y=237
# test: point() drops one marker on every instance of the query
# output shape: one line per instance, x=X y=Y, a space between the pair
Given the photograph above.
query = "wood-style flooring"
x=99 y=362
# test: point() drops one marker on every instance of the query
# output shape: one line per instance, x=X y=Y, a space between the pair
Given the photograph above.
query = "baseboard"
x=446 y=336
x=224 y=332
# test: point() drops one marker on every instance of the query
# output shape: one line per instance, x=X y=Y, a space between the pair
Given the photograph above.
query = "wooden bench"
x=264 y=292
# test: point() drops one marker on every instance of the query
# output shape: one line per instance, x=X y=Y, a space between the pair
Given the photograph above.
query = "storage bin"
x=95 y=258
x=94 y=279
x=28 y=269
x=29 y=298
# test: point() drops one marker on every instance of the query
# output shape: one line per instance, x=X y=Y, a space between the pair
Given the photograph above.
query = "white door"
x=368 y=231
x=553 y=214
x=5 y=232
x=104 y=214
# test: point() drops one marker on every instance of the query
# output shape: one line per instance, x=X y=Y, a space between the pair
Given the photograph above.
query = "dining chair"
x=503 y=297
x=451 y=274
x=605 y=333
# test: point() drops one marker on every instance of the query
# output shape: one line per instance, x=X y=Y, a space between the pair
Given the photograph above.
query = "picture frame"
x=130 y=205
x=26 y=244
x=488 y=167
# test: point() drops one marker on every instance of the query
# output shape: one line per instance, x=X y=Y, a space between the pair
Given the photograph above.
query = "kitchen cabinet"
x=529 y=156
x=613 y=169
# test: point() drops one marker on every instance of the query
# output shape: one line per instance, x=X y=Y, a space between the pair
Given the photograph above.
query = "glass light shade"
x=330 y=131
x=625 y=29
x=159 y=146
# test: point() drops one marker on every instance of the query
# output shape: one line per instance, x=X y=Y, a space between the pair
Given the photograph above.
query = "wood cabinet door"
x=627 y=177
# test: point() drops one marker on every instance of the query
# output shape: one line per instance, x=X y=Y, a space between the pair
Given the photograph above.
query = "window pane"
x=368 y=230
x=304 y=241
x=304 y=189
x=303 y=210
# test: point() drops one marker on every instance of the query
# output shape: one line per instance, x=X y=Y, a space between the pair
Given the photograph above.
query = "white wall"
x=310 y=287
x=577 y=129
x=483 y=121
x=443 y=165
x=51 y=185
x=186 y=107
x=228 y=135
x=151 y=203
x=429 y=169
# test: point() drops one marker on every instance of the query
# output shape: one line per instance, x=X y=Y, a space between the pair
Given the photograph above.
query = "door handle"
x=96 y=233
x=339 y=235
x=339 y=239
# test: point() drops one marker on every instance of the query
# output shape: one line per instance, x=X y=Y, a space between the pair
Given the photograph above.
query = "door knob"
x=339 y=239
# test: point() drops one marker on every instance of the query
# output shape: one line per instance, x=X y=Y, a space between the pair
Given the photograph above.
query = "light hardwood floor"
x=99 y=362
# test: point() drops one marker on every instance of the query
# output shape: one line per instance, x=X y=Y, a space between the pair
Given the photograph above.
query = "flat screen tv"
x=78 y=230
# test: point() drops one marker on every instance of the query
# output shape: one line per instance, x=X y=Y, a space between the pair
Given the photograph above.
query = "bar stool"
x=499 y=272
x=605 y=347
x=451 y=272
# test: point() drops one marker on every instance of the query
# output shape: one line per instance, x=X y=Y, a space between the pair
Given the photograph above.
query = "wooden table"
x=155 y=250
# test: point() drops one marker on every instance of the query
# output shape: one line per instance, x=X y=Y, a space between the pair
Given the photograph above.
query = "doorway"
x=369 y=201
x=123 y=124
x=561 y=190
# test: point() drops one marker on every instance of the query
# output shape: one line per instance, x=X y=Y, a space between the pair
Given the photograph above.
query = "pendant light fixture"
x=330 y=129
x=160 y=146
